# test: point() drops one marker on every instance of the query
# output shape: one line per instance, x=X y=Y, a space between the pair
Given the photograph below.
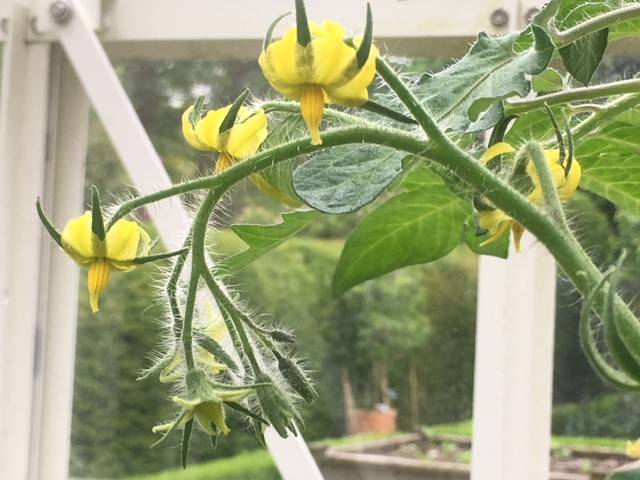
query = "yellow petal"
x=78 y=239
x=572 y=181
x=123 y=239
x=354 y=91
x=189 y=133
x=333 y=61
x=312 y=107
x=246 y=136
x=208 y=128
x=264 y=185
x=224 y=162
x=518 y=231
x=97 y=281
x=496 y=222
x=286 y=64
x=209 y=413
x=499 y=148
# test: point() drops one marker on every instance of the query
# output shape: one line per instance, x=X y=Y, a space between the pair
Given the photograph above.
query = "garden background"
x=412 y=329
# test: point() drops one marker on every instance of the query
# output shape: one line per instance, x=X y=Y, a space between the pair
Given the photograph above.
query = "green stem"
x=413 y=104
x=518 y=107
x=198 y=265
x=601 y=117
x=172 y=289
x=595 y=24
x=228 y=305
x=549 y=190
x=368 y=133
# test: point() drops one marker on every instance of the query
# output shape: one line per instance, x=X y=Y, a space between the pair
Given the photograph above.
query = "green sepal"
x=367 y=39
x=375 y=107
x=198 y=111
x=97 y=221
x=171 y=429
x=48 y=224
x=303 y=34
x=281 y=336
x=498 y=132
x=230 y=119
x=160 y=256
x=267 y=37
x=158 y=366
x=214 y=438
x=246 y=411
x=556 y=129
x=570 y=146
x=217 y=351
x=186 y=436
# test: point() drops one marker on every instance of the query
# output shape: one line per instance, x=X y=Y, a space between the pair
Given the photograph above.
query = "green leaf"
x=582 y=57
x=263 y=238
x=548 y=81
x=610 y=167
x=416 y=226
x=490 y=72
x=344 y=179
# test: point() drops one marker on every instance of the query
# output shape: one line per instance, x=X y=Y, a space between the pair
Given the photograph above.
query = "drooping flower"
x=124 y=242
x=204 y=402
x=240 y=141
x=315 y=65
x=497 y=222
x=246 y=131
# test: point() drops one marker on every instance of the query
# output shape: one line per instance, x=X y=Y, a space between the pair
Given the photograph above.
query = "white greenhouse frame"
x=57 y=64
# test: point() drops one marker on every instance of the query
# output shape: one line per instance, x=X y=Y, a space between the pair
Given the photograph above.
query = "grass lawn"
x=464 y=428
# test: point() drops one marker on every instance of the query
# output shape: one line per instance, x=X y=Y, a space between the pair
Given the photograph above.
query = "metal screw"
x=532 y=12
x=499 y=18
x=60 y=11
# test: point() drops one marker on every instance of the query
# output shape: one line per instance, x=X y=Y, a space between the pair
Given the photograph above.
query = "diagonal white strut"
x=111 y=103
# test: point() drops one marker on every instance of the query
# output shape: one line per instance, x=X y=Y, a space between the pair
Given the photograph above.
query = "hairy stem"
x=198 y=265
x=518 y=107
x=549 y=191
x=595 y=24
x=560 y=242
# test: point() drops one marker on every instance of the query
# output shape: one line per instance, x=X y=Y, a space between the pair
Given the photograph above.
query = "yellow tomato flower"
x=124 y=242
x=240 y=141
x=324 y=71
x=498 y=222
x=633 y=449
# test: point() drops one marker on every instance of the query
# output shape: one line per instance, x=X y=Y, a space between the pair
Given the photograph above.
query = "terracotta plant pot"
x=376 y=421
